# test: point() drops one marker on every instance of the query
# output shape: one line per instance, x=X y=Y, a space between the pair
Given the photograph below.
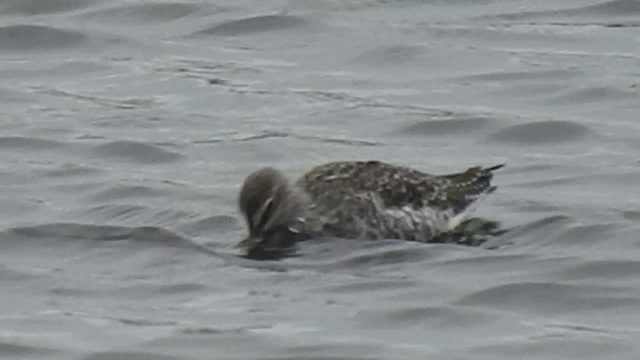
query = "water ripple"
x=606 y=11
x=39 y=38
x=137 y=152
x=28 y=143
x=39 y=7
x=550 y=298
x=16 y=350
x=542 y=133
x=143 y=12
x=256 y=24
x=448 y=127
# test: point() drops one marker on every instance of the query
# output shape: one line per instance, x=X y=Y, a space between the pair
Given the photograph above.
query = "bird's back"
x=375 y=199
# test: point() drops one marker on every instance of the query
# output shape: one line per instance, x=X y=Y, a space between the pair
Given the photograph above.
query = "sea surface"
x=126 y=128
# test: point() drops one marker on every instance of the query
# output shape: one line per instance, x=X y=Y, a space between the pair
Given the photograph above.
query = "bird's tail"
x=475 y=180
x=467 y=188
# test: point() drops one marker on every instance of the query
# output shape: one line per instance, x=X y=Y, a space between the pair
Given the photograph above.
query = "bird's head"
x=269 y=206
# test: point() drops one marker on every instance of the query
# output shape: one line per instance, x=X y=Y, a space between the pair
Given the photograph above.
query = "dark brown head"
x=268 y=204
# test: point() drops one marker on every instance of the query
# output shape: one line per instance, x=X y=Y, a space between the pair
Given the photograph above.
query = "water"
x=126 y=128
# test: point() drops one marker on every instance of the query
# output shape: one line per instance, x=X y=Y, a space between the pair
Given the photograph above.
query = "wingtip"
x=496 y=167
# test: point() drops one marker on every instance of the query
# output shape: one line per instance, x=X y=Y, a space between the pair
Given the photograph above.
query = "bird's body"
x=359 y=199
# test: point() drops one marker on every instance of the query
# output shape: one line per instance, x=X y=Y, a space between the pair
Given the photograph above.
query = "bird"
x=356 y=199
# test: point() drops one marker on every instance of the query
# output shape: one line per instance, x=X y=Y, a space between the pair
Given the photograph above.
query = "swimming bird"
x=356 y=200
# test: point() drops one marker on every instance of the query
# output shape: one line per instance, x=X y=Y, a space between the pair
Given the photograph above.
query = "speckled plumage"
x=360 y=199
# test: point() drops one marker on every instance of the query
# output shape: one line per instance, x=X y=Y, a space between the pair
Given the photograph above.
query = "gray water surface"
x=126 y=128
